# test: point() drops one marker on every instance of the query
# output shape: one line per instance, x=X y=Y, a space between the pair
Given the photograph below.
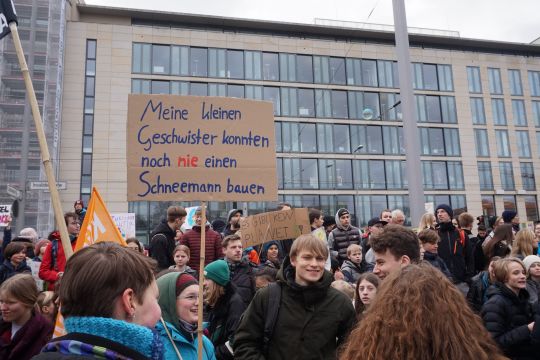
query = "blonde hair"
x=22 y=287
x=523 y=243
x=427 y=221
x=45 y=298
x=352 y=248
x=500 y=268
x=310 y=243
x=344 y=287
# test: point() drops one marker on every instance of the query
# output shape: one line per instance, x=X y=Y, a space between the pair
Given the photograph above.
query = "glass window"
x=339 y=104
x=364 y=105
x=299 y=137
x=87 y=144
x=292 y=171
x=524 y=147
x=507 y=175
x=88 y=125
x=335 y=174
x=306 y=105
x=509 y=202
x=488 y=205
x=527 y=176
x=369 y=72
x=161 y=57
x=444 y=73
x=309 y=174
x=86 y=184
x=323 y=103
x=160 y=87
x=236 y=91
x=304 y=69
x=254 y=92
x=448 y=109
x=369 y=136
x=272 y=94
x=482 y=144
x=325 y=138
x=289 y=102
x=518 y=110
x=91 y=67
x=198 y=62
x=180 y=60
x=473 y=75
x=393 y=140
x=89 y=86
x=270 y=66
x=455 y=175
x=531 y=207
x=390 y=111
x=503 y=146
x=217 y=89
x=179 y=88
x=387 y=71
x=538 y=143
x=337 y=70
x=277 y=130
x=485 y=175
x=515 y=83
x=198 y=89
x=458 y=203
x=287 y=67
x=499 y=112
x=140 y=86
x=534 y=82
x=279 y=168
x=354 y=71
x=451 y=142
x=88 y=105
x=477 y=111
x=142 y=56
x=395 y=174
x=429 y=72
x=435 y=175
x=253 y=60
x=432 y=141
x=321 y=69
x=369 y=174
x=216 y=62
x=536 y=112
x=91 y=49
x=418 y=76
x=86 y=164
x=341 y=139
x=235 y=64
x=495 y=84
x=433 y=109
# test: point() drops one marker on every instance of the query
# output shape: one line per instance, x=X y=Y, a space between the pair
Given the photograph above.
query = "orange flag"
x=59 y=329
x=98 y=224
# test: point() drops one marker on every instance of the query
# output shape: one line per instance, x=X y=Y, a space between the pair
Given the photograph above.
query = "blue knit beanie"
x=446 y=208
x=508 y=215
x=218 y=271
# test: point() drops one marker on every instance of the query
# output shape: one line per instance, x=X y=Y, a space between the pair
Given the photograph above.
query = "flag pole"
x=201 y=282
x=55 y=197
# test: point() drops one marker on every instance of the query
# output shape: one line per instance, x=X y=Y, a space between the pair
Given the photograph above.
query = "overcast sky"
x=503 y=20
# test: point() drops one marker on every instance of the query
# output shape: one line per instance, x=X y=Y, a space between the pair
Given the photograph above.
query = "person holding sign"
x=178 y=300
x=313 y=319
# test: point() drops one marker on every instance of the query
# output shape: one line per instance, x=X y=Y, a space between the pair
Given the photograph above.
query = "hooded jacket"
x=352 y=271
x=506 y=316
x=227 y=231
x=312 y=321
x=213 y=248
x=185 y=342
x=457 y=256
x=7 y=270
x=340 y=238
x=52 y=264
x=162 y=245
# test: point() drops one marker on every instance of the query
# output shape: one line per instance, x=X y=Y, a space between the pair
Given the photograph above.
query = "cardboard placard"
x=5 y=212
x=125 y=223
x=274 y=225
x=200 y=148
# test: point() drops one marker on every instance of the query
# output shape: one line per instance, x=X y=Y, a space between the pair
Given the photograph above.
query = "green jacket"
x=312 y=321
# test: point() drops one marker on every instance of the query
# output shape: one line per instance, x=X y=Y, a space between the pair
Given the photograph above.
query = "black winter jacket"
x=243 y=276
x=341 y=238
x=458 y=257
x=312 y=321
x=436 y=261
x=476 y=297
x=162 y=245
x=506 y=316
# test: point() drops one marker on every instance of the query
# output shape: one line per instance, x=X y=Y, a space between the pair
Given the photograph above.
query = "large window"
x=425 y=76
x=485 y=175
x=441 y=175
x=495 y=84
x=503 y=146
x=518 y=110
x=306 y=105
x=335 y=174
x=436 y=109
x=161 y=57
x=536 y=112
x=329 y=70
x=523 y=144
x=488 y=205
x=142 y=58
x=217 y=63
x=333 y=138
x=515 y=83
x=531 y=207
x=388 y=75
x=304 y=68
x=507 y=175
x=439 y=141
x=180 y=60
x=287 y=67
x=198 y=61
x=482 y=144
x=362 y=72
x=369 y=136
x=364 y=105
x=270 y=66
x=477 y=111
x=473 y=75
x=235 y=64
x=298 y=137
x=369 y=174
x=393 y=140
x=527 y=176
x=499 y=112
x=534 y=82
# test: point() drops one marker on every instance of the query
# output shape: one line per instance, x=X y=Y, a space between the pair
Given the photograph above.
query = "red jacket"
x=28 y=341
x=213 y=249
x=47 y=272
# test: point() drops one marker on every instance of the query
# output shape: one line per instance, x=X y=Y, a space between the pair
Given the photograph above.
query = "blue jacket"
x=187 y=347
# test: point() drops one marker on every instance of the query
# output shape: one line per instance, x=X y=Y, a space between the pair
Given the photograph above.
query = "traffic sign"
x=14 y=193
x=44 y=185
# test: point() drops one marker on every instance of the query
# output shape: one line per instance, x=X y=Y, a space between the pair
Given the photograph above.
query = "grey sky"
x=503 y=20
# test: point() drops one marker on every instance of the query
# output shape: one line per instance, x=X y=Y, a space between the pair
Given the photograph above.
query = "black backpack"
x=272 y=310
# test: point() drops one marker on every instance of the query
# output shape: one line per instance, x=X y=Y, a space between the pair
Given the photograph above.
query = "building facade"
x=337 y=111
x=41 y=26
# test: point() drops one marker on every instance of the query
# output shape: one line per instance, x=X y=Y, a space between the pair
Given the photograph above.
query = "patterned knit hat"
x=183 y=281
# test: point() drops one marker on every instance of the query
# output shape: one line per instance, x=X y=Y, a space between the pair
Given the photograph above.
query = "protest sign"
x=5 y=211
x=125 y=223
x=275 y=225
x=200 y=148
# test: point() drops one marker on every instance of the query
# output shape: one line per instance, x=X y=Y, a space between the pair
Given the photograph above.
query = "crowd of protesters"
x=385 y=291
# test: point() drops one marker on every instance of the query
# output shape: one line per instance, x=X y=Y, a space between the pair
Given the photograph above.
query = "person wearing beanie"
x=532 y=265
x=454 y=248
x=80 y=210
x=511 y=217
x=343 y=235
x=179 y=300
x=233 y=222
x=224 y=307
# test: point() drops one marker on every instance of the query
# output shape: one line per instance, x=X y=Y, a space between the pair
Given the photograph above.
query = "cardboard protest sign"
x=125 y=223
x=275 y=225
x=200 y=148
x=5 y=211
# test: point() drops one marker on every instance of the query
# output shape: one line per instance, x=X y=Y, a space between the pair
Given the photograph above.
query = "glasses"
x=75 y=223
x=189 y=298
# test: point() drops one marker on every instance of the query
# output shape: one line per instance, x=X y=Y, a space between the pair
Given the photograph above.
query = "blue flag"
x=7 y=15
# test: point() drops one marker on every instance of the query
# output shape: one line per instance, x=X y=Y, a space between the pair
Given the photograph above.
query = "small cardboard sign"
x=197 y=148
x=125 y=223
x=5 y=211
x=274 y=225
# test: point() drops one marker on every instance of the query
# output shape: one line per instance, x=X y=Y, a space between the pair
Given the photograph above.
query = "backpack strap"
x=272 y=310
x=462 y=237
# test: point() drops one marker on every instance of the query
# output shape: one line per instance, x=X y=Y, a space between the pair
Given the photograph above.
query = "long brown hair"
x=502 y=232
x=358 y=304
x=523 y=243
x=419 y=314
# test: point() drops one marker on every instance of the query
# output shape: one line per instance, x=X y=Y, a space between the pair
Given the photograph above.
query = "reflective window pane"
x=304 y=70
x=198 y=62
x=270 y=66
x=235 y=64
x=161 y=56
x=337 y=70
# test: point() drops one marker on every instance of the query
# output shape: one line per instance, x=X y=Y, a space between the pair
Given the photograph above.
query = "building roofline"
x=169 y=19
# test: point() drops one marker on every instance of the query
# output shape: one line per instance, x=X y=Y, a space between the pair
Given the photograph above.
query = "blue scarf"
x=137 y=337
